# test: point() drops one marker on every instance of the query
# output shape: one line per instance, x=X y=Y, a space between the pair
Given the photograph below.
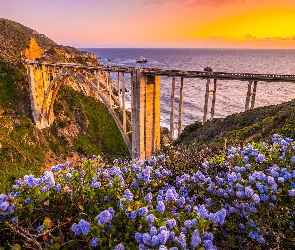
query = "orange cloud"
x=249 y=41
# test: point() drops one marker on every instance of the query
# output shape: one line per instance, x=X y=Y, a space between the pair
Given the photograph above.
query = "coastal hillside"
x=199 y=142
x=15 y=38
x=83 y=126
x=256 y=124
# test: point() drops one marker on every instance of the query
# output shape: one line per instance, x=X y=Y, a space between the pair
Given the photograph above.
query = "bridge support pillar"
x=34 y=94
x=207 y=100
x=145 y=114
x=251 y=94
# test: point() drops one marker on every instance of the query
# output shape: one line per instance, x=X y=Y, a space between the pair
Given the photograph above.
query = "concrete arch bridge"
x=142 y=117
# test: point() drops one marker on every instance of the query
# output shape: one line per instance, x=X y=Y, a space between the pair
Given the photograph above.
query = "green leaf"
x=55 y=245
x=43 y=196
x=15 y=247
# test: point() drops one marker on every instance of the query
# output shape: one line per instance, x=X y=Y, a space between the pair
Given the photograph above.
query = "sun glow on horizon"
x=260 y=24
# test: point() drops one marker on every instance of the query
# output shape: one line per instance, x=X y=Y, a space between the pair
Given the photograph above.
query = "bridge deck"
x=184 y=74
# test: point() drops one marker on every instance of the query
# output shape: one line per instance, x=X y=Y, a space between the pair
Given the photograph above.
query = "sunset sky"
x=159 y=23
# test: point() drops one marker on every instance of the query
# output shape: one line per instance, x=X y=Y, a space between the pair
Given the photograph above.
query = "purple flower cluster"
x=105 y=216
x=83 y=227
x=6 y=207
x=167 y=213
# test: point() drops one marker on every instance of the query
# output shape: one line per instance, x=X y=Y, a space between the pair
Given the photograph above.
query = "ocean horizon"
x=231 y=94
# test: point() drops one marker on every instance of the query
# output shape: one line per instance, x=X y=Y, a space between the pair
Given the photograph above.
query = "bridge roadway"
x=142 y=120
x=183 y=73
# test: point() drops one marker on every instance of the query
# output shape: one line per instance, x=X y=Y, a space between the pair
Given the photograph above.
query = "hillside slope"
x=15 y=38
x=256 y=124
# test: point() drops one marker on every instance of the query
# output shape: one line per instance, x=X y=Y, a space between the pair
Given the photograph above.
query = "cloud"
x=251 y=41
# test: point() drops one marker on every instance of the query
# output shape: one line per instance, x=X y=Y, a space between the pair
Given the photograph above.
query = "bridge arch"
x=143 y=122
x=52 y=81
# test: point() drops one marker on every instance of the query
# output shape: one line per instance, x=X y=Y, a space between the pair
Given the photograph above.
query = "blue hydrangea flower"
x=183 y=230
x=188 y=208
x=162 y=228
x=120 y=247
x=146 y=238
x=4 y=205
x=128 y=195
x=76 y=229
x=180 y=202
x=27 y=201
x=261 y=157
x=163 y=236
x=240 y=194
x=264 y=197
x=85 y=226
x=139 y=237
x=94 y=242
x=153 y=231
x=161 y=207
x=155 y=240
x=29 y=180
x=291 y=192
x=170 y=195
x=57 y=187
x=255 y=198
x=45 y=188
x=143 y=211
x=249 y=191
x=40 y=229
x=111 y=211
x=203 y=212
x=171 y=223
x=14 y=220
x=104 y=217
x=181 y=240
x=95 y=184
x=219 y=217
x=162 y=247
x=207 y=236
x=133 y=215
x=208 y=244
x=196 y=239
x=150 y=218
x=148 y=197
x=190 y=223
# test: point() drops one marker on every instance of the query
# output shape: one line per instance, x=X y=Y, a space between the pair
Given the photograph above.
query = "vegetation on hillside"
x=83 y=127
x=255 y=124
x=33 y=51
x=242 y=200
x=15 y=39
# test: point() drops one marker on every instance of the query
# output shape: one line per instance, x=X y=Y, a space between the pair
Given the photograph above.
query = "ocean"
x=231 y=95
